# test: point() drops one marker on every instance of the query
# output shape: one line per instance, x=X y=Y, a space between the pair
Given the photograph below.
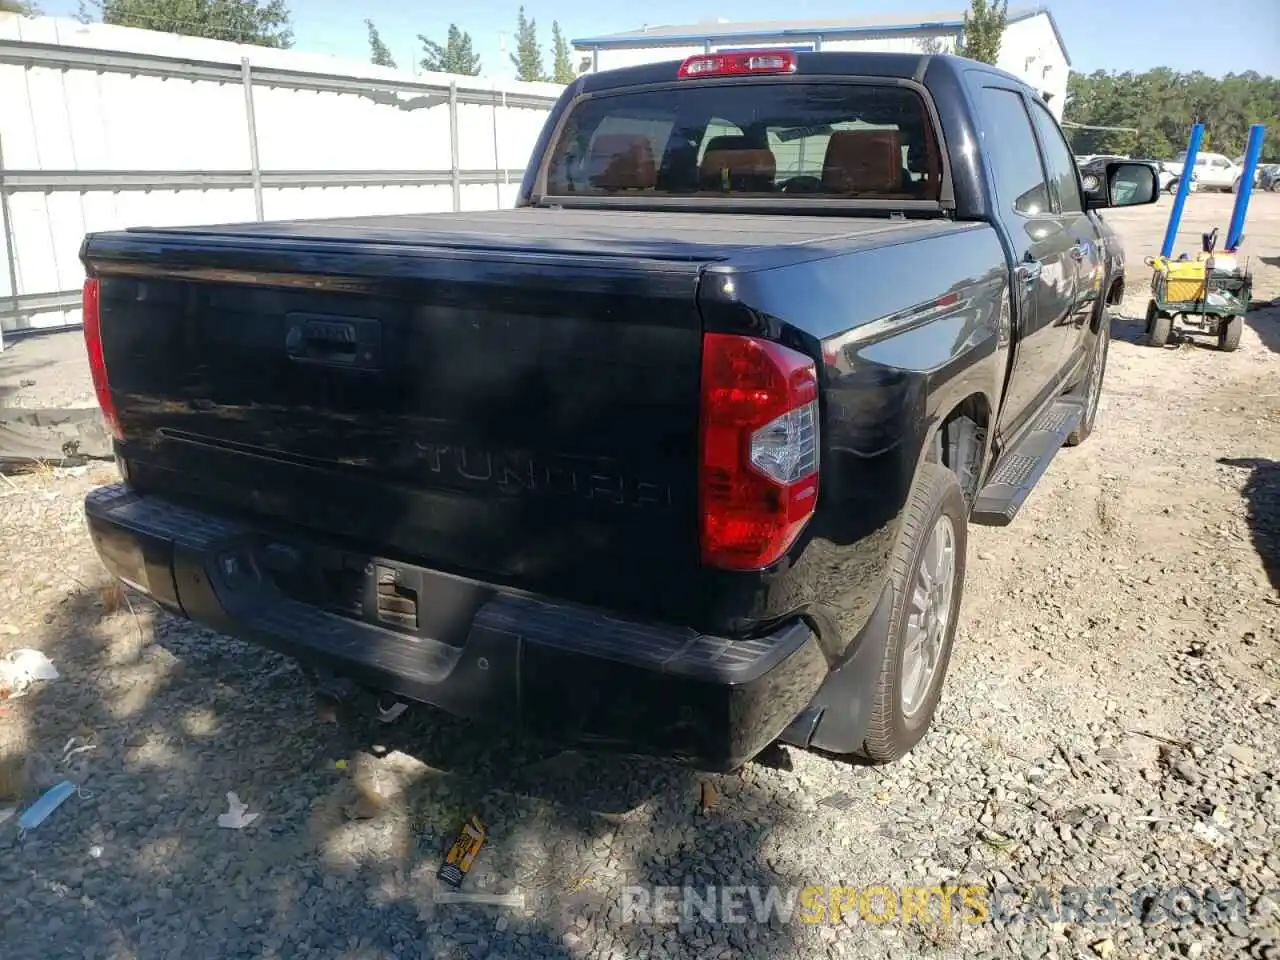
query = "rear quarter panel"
x=902 y=334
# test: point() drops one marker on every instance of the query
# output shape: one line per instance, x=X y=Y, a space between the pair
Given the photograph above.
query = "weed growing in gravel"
x=110 y=597
x=937 y=936
x=1106 y=520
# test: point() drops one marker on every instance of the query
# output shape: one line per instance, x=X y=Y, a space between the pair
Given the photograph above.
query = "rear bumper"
x=570 y=674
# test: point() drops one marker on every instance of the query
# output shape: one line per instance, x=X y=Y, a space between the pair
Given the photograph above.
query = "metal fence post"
x=455 y=172
x=10 y=241
x=255 y=168
x=497 y=162
x=506 y=172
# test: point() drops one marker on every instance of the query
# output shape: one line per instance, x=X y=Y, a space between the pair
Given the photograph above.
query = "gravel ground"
x=45 y=370
x=1109 y=721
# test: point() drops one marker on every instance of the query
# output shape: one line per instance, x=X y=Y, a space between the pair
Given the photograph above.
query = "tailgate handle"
x=333 y=340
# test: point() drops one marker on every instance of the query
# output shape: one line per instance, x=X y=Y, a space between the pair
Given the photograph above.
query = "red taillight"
x=737 y=64
x=758 y=467
x=97 y=364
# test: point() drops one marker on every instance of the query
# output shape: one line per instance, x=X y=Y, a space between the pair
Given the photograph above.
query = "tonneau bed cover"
x=695 y=236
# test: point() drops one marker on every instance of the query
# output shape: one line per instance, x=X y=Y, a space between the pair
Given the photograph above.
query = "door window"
x=1009 y=141
x=1057 y=158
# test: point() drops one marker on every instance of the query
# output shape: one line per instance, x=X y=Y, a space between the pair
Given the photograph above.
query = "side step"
x=1021 y=468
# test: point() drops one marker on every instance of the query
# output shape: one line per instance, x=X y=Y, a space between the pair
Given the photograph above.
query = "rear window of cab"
x=860 y=141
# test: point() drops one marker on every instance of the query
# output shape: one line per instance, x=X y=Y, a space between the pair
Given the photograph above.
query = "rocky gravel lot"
x=1110 y=721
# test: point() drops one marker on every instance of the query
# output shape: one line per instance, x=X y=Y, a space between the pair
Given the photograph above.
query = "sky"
x=1229 y=35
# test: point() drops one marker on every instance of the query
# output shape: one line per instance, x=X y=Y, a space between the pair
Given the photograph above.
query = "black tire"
x=891 y=732
x=1229 y=333
x=1160 y=329
x=1090 y=389
x=1152 y=313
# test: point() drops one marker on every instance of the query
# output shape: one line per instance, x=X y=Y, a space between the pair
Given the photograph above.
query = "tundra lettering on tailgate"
x=599 y=481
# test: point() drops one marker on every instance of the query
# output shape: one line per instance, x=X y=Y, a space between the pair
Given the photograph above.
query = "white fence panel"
x=107 y=127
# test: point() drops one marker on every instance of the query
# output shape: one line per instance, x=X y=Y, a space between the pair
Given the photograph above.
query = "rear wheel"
x=1091 y=389
x=1159 y=326
x=927 y=574
x=1229 y=333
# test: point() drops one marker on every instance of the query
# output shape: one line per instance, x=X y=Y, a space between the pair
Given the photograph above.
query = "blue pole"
x=1184 y=187
x=1235 y=232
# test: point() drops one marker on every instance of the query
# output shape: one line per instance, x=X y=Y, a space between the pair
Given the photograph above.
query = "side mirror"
x=1124 y=183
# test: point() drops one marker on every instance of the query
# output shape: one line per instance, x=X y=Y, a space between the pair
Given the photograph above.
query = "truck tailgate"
x=528 y=418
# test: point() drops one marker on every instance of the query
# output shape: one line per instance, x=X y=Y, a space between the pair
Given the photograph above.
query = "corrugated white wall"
x=895 y=42
x=80 y=119
x=1029 y=49
x=919 y=42
x=612 y=59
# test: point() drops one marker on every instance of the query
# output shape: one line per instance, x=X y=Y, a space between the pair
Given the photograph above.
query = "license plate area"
x=385 y=593
x=395 y=601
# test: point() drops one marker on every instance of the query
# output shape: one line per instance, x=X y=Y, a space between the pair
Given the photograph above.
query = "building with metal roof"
x=1031 y=48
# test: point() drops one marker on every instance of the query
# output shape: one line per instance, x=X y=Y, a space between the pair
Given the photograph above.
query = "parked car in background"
x=1268 y=177
x=1169 y=176
x=1257 y=172
x=1214 y=171
x=1093 y=157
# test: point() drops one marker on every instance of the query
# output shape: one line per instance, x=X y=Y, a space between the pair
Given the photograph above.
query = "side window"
x=1010 y=144
x=1057 y=157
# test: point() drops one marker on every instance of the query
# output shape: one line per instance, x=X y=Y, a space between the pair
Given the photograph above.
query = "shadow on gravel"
x=1265 y=321
x=178 y=716
x=1262 y=491
x=1129 y=330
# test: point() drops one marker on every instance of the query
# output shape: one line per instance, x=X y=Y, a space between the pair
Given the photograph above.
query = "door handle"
x=1078 y=252
x=1029 y=271
x=354 y=342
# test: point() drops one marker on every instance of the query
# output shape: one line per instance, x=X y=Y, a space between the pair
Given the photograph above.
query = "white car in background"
x=1214 y=171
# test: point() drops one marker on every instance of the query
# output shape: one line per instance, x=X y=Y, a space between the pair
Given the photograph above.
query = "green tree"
x=19 y=6
x=264 y=23
x=378 y=52
x=984 y=25
x=456 y=56
x=561 y=65
x=528 y=56
x=1161 y=105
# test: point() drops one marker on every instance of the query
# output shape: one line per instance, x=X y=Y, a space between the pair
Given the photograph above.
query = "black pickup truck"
x=677 y=457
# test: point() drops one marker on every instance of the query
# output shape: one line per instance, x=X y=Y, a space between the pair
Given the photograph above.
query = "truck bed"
x=511 y=396
x=613 y=233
